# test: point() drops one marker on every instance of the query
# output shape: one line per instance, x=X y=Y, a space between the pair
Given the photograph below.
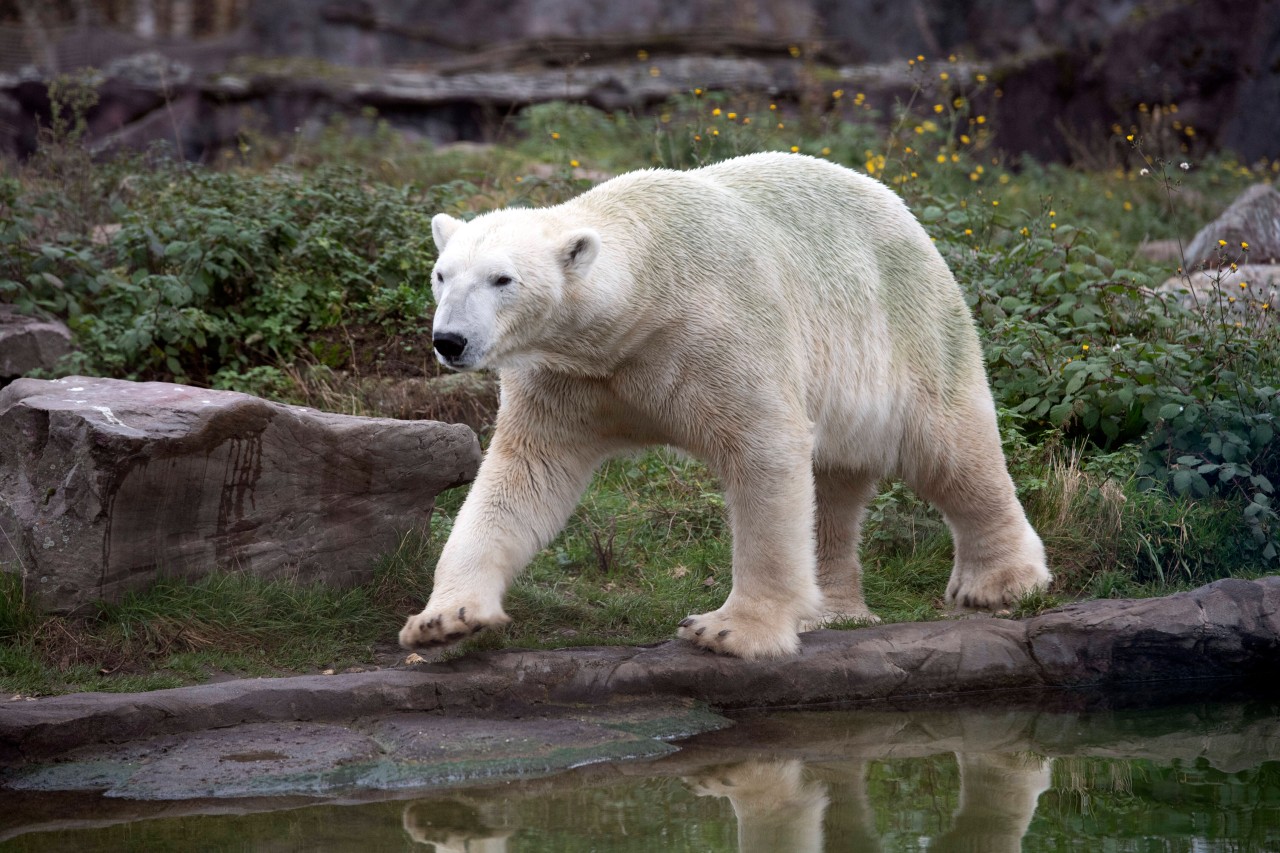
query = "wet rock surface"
x=106 y=485
x=380 y=753
x=516 y=711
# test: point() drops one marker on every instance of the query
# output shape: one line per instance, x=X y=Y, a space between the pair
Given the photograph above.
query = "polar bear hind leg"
x=842 y=500
x=959 y=467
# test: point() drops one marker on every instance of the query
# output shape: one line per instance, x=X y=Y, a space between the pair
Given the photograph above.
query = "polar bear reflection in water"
x=792 y=805
x=788 y=805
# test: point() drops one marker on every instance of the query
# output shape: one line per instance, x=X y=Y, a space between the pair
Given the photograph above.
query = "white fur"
x=780 y=317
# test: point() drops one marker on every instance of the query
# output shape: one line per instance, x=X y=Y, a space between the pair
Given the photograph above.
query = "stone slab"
x=107 y=485
x=1226 y=630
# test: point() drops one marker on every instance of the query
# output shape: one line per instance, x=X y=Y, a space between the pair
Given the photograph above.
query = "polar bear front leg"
x=528 y=484
x=771 y=505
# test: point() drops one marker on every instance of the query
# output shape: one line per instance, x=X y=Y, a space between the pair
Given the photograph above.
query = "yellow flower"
x=1053 y=226
x=697 y=137
x=781 y=125
x=794 y=50
x=955 y=158
x=968 y=232
x=920 y=58
x=732 y=116
x=773 y=106
x=937 y=108
x=642 y=55
x=995 y=204
x=1244 y=246
x=746 y=119
x=981 y=78
x=964 y=138
x=1025 y=232
x=826 y=152
x=1053 y=213
x=655 y=71
x=1085 y=347
x=715 y=132
x=944 y=76
x=1222 y=242
x=795 y=149
x=1243 y=285
x=1129 y=137
x=1128 y=205
x=716 y=111
x=981 y=119
x=697 y=91
x=957 y=103
x=837 y=94
x=973 y=176
x=1266 y=305
x=555 y=135
x=1234 y=268
x=573 y=163
x=942 y=158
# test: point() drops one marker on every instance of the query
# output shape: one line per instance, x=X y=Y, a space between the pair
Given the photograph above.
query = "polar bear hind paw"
x=738 y=636
x=435 y=627
x=996 y=589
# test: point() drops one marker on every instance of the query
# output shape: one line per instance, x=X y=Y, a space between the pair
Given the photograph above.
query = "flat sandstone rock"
x=106 y=485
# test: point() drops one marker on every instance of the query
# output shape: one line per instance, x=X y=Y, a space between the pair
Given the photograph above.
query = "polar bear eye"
x=502 y=281
x=439 y=277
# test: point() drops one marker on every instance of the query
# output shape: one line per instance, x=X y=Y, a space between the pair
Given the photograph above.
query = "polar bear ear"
x=442 y=228
x=578 y=250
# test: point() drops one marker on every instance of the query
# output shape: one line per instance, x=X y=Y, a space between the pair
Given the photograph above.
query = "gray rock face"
x=1233 y=296
x=1253 y=218
x=28 y=343
x=107 y=484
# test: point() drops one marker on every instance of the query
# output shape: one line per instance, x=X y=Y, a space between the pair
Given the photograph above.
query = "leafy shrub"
x=209 y=274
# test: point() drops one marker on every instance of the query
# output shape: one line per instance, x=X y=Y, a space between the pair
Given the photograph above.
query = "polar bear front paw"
x=440 y=626
x=739 y=635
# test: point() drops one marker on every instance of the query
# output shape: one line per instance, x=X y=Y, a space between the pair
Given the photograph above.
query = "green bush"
x=207 y=274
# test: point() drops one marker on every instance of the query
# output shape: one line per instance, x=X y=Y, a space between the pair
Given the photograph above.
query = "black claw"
x=698 y=633
x=686 y=622
x=723 y=633
x=462 y=614
x=455 y=635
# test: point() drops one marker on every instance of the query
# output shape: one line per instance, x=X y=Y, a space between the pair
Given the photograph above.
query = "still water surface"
x=1193 y=778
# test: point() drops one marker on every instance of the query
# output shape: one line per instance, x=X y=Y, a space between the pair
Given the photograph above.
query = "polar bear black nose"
x=449 y=345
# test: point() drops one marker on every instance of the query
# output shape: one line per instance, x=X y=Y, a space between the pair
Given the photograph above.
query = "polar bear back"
x=815 y=276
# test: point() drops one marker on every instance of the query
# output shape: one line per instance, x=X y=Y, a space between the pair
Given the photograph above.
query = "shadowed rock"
x=106 y=485
x=30 y=343
x=1253 y=218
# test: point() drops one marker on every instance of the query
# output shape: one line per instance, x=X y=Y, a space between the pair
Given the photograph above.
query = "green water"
x=1193 y=778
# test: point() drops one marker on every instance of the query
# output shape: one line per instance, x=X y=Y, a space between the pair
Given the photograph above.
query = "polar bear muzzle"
x=449 y=346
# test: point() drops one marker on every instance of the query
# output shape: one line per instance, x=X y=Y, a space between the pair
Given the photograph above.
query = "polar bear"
x=784 y=319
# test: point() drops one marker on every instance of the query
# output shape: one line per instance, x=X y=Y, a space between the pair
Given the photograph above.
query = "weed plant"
x=1140 y=429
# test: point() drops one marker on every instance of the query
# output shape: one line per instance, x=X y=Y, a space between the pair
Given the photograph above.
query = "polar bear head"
x=500 y=283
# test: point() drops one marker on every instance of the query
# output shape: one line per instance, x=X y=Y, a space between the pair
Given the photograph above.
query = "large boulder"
x=29 y=343
x=1253 y=218
x=1232 y=296
x=106 y=485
